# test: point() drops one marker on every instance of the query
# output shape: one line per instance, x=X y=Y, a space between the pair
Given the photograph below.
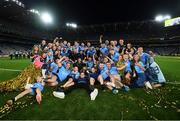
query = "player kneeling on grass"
x=32 y=89
x=139 y=74
x=81 y=82
x=154 y=73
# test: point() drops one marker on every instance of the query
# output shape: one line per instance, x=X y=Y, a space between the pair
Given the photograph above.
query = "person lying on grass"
x=32 y=89
x=81 y=82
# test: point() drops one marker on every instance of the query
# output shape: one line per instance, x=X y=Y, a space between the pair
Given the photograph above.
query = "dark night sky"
x=105 y=11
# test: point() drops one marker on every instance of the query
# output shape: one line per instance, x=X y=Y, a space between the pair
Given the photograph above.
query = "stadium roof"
x=89 y=12
x=106 y=11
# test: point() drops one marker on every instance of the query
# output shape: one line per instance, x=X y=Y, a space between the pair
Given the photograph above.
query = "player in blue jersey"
x=32 y=89
x=53 y=68
x=139 y=72
x=127 y=69
x=144 y=57
x=66 y=61
x=95 y=76
x=104 y=50
x=74 y=75
x=90 y=52
x=89 y=62
x=115 y=77
x=81 y=82
x=114 y=55
x=61 y=74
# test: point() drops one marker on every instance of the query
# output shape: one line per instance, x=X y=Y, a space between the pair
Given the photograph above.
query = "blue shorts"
x=139 y=82
x=94 y=75
x=36 y=86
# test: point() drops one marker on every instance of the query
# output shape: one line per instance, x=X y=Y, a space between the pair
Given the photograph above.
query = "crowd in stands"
x=15 y=51
x=165 y=51
x=20 y=30
x=113 y=65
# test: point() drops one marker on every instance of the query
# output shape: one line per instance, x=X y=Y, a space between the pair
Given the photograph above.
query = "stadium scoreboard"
x=172 y=22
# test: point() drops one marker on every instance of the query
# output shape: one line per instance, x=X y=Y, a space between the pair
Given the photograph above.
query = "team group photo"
x=89 y=60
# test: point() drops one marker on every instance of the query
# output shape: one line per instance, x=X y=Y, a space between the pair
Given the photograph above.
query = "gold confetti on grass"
x=6 y=109
x=19 y=82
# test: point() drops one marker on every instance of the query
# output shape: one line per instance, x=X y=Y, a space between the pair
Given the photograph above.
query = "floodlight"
x=46 y=18
x=159 y=18
x=72 y=25
x=167 y=17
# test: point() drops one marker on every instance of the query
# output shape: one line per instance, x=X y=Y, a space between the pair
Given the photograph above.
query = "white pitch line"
x=9 y=69
x=173 y=83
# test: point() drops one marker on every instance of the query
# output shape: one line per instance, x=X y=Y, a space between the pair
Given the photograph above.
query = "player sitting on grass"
x=73 y=76
x=61 y=74
x=115 y=79
x=96 y=77
x=105 y=77
x=81 y=82
x=32 y=89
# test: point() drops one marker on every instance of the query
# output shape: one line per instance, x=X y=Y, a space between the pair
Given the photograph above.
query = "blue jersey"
x=113 y=71
x=128 y=67
x=104 y=51
x=49 y=58
x=89 y=64
x=90 y=53
x=38 y=85
x=65 y=63
x=50 y=50
x=54 y=67
x=103 y=72
x=115 y=57
x=144 y=58
x=63 y=73
x=81 y=48
x=77 y=48
x=63 y=53
x=75 y=75
x=138 y=69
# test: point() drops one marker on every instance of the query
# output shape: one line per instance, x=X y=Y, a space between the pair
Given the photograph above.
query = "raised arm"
x=94 y=59
x=62 y=59
x=112 y=62
x=101 y=39
x=55 y=40
x=71 y=61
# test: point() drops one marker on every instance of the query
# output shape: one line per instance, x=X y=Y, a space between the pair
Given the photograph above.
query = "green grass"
x=136 y=104
x=12 y=64
x=170 y=67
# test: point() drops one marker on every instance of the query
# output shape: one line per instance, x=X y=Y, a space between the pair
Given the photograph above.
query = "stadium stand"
x=16 y=27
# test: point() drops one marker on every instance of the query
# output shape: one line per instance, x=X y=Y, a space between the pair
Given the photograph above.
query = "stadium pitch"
x=158 y=104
